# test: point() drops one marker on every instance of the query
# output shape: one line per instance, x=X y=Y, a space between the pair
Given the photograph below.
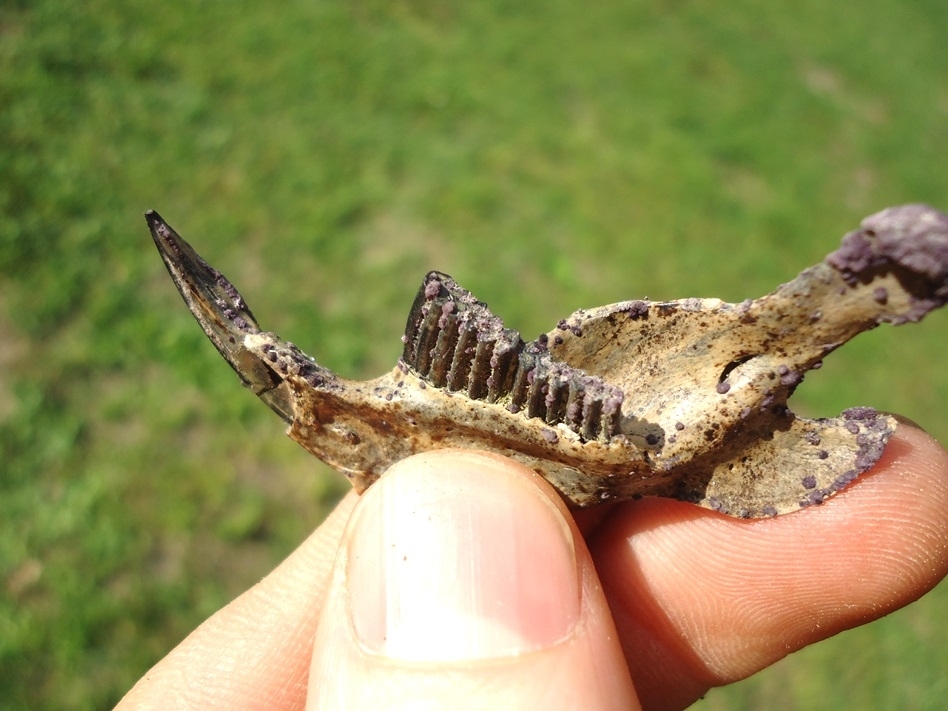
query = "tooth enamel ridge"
x=453 y=341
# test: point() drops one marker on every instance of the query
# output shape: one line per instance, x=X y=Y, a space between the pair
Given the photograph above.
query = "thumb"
x=462 y=582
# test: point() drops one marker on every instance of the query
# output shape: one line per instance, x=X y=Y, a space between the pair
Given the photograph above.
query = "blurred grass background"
x=324 y=154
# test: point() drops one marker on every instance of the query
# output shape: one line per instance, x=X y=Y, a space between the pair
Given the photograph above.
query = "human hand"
x=460 y=580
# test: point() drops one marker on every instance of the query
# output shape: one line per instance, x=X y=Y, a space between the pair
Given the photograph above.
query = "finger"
x=255 y=653
x=465 y=584
x=700 y=599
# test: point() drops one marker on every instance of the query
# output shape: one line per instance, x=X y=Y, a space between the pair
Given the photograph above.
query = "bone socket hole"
x=733 y=365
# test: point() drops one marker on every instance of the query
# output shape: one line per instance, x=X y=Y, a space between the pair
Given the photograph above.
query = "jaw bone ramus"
x=685 y=399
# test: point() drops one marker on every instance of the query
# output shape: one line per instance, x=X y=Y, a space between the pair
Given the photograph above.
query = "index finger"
x=700 y=599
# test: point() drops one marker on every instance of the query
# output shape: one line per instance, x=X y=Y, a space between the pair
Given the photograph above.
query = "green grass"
x=549 y=155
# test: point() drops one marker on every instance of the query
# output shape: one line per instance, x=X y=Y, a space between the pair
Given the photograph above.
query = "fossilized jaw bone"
x=684 y=399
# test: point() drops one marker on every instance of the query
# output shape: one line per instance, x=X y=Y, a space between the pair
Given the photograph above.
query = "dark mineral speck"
x=549 y=435
x=913 y=238
x=860 y=413
x=809 y=482
x=723 y=387
x=769 y=510
x=790 y=378
x=845 y=479
x=812 y=438
x=679 y=426
x=638 y=310
x=880 y=295
x=855 y=255
x=823 y=454
x=612 y=403
x=447 y=308
x=869 y=454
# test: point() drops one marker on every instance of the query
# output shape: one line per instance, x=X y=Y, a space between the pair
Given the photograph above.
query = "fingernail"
x=903 y=420
x=457 y=557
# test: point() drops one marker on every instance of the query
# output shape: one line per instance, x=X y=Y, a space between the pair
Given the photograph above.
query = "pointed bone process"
x=684 y=399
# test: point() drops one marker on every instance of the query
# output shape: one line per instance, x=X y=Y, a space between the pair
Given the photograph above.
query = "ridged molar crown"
x=453 y=341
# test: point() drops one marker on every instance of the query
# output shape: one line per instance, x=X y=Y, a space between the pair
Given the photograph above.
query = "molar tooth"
x=460 y=373
x=481 y=374
x=441 y=354
x=522 y=380
x=556 y=395
x=574 y=404
x=592 y=415
x=504 y=357
x=422 y=343
x=611 y=413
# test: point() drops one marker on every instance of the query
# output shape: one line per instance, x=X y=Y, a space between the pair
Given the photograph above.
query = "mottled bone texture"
x=686 y=399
